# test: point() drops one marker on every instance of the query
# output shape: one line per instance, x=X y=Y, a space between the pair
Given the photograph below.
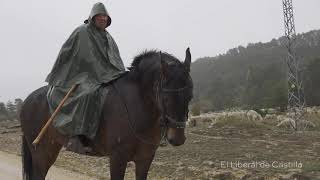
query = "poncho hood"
x=98 y=8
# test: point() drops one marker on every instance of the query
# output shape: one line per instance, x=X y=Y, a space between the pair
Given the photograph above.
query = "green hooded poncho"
x=89 y=58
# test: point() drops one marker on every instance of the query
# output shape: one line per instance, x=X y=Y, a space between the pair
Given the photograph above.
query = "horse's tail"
x=26 y=160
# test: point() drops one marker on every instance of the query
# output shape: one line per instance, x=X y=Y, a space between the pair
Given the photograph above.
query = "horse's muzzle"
x=176 y=137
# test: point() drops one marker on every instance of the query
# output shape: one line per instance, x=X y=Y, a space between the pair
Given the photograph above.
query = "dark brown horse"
x=151 y=98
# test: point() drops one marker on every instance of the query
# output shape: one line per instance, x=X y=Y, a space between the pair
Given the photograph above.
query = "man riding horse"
x=89 y=58
x=124 y=117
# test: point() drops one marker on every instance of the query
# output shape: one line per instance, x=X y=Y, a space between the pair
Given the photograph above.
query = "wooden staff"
x=46 y=126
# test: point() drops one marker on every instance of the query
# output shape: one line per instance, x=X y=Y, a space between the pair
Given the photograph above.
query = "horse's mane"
x=147 y=64
x=143 y=55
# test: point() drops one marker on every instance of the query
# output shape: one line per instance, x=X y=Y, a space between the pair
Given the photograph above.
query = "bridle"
x=166 y=121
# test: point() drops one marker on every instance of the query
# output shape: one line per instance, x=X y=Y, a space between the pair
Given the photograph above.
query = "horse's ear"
x=187 y=61
x=164 y=65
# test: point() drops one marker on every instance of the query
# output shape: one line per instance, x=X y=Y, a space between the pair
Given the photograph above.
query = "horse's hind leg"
x=43 y=157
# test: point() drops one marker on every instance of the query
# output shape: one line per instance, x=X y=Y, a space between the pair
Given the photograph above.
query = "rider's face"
x=101 y=21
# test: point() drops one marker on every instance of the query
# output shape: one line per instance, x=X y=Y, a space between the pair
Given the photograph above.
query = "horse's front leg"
x=142 y=168
x=118 y=165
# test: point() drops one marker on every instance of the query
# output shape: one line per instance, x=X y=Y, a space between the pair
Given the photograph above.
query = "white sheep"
x=253 y=115
x=283 y=120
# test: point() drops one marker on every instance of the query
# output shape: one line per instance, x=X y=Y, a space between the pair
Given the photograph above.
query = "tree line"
x=255 y=76
x=10 y=110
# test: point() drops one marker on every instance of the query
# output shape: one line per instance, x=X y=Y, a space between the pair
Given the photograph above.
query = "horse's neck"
x=146 y=94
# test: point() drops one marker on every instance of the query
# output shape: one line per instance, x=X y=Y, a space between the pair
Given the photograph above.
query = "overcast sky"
x=33 y=31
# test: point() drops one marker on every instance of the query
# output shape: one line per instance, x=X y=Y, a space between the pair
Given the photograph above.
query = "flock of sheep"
x=272 y=114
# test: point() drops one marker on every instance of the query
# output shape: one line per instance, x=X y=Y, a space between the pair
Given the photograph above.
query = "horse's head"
x=174 y=92
x=167 y=89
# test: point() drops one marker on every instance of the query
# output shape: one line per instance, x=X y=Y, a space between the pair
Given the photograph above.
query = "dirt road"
x=10 y=169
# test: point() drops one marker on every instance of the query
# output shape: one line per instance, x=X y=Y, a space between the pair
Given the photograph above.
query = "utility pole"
x=296 y=100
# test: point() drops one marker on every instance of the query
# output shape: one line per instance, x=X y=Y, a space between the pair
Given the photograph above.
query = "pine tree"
x=3 y=111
